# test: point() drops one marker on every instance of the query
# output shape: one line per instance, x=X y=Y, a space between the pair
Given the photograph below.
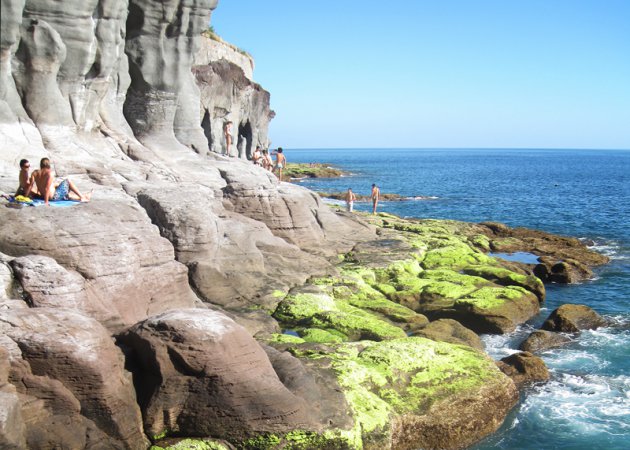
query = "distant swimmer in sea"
x=375 y=196
x=44 y=179
x=350 y=199
x=25 y=181
x=281 y=162
x=227 y=131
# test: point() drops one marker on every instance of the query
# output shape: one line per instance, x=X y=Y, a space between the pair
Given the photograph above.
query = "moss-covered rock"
x=321 y=311
x=507 y=277
x=395 y=388
x=191 y=444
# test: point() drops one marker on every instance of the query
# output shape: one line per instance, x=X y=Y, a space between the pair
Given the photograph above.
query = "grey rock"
x=132 y=261
x=228 y=95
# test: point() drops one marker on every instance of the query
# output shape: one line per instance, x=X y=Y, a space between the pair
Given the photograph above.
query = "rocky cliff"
x=130 y=319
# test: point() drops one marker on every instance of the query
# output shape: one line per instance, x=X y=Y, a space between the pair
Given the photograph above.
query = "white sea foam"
x=586 y=404
x=607 y=247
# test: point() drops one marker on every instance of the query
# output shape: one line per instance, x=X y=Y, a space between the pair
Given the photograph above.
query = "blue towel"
x=58 y=203
x=37 y=202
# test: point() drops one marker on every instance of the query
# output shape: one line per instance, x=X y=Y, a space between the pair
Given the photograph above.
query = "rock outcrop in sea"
x=195 y=296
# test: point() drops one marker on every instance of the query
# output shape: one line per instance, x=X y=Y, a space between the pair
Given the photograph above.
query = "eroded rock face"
x=67 y=370
x=202 y=374
x=132 y=261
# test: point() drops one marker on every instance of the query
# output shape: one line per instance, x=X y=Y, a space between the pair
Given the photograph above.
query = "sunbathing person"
x=44 y=179
x=25 y=181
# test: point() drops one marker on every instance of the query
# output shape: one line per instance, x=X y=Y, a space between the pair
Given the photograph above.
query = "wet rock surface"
x=540 y=340
x=524 y=368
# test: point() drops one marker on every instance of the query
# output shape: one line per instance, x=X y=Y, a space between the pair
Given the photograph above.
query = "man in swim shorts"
x=281 y=162
x=350 y=198
x=44 y=179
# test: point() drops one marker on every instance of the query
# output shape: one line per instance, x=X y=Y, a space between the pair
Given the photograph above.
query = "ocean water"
x=581 y=193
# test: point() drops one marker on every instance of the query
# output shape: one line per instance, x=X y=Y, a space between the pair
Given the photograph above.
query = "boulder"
x=198 y=373
x=570 y=318
x=448 y=330
x=540 y=340
x=73 y=388
x=524 y=368
x=413 y=393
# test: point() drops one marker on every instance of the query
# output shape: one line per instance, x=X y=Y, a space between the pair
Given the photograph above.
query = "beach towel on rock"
x=21 y=200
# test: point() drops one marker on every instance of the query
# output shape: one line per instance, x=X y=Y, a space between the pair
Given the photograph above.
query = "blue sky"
x=441 y=73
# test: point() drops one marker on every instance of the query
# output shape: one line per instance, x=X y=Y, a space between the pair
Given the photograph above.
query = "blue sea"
x=580 y=193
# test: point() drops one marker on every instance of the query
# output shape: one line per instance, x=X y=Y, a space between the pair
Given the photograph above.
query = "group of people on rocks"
x=42 y=184
x=262 y=158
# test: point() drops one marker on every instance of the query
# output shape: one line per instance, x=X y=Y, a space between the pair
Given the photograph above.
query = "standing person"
x=350 y=198
x=281 y=162
x=25 y=183
x=376 y=195
x=44 y=179
x=227 y=131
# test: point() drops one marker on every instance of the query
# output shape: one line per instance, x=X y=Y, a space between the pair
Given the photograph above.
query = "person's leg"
x=74 y=190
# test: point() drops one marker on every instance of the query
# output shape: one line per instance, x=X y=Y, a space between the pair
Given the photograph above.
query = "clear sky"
x=439 y=73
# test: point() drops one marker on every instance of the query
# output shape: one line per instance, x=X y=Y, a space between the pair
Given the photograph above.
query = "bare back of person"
x=44 y=179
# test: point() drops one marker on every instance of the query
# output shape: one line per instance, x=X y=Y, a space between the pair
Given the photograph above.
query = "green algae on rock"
x=394 y=385
x=191 y=444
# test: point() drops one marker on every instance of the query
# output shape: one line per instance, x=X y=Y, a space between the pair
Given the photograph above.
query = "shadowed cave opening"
x=245 y=140
x=206 y=124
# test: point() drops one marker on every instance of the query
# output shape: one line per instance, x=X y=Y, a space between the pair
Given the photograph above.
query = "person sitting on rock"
x=257 y=157
x=267 y=163
x=25 y=181
x=44 y=179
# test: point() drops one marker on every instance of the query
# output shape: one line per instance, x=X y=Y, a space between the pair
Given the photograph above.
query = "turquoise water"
x=581 y=193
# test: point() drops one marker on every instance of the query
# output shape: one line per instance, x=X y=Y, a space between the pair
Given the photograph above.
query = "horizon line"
x=460 y=148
